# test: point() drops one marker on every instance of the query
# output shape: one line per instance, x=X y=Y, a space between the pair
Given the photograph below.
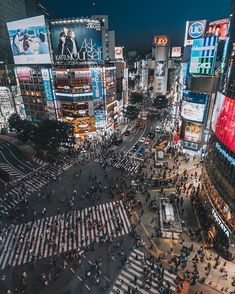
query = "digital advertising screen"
x=194 y=30
x=203 y=56
x=29 y=42
x=78 y=40
x=194 y=106
x=192 y=131
x=160 y=68
x=219 y=28
x=223 y=121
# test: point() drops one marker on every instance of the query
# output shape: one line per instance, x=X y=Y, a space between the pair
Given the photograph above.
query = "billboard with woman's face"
x=76 y=40
x=29 y=42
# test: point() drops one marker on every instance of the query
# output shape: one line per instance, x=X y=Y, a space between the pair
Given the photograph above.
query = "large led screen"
x=29 y=41
x=77 y=40
x=203 y=56
x=192 y=131
x=223 y=121
x=193 y=106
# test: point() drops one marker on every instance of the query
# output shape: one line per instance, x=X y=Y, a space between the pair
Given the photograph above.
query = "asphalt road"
x=71 y=275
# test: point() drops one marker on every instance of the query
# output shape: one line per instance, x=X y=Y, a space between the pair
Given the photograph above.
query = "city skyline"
x=144 y=22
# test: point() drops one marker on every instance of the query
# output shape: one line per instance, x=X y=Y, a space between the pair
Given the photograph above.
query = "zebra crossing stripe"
x=134 y=270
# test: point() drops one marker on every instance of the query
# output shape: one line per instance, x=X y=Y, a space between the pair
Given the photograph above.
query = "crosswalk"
x=127 y=163
x=137 y=274
x=11 y=170
x=11 y=199
x=39 y=239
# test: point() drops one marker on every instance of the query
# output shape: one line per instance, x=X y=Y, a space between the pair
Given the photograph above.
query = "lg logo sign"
x=196 y=29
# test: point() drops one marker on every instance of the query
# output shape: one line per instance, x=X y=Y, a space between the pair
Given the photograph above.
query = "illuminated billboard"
x=183 y=73
x=219 y=28
x=192 y=131
x=175 y=51
x=118 y=52
x=161 y=40
x=194 y=105
x=160 y=68
x=223 y=121
x=29 y=42
x=194 y=30
x=23 y=74
x=76 y=40
x=97 y=84
x=203 y=56
x=47 y=84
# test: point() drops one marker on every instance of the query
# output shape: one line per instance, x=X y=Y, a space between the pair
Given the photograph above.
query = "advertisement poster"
x=175 y=51
x=97 y=87
x=219 y=28
x=194 y=30
x=203 y=56
x=192 y=132
x=194 y=105
x=76 y=41
x=29 y=42
x=118 y=53
x=224 y=122
x=160 y=68
x=183 y=73
x=23 y=74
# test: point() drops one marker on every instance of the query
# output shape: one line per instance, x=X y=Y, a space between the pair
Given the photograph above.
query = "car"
x=140 y=151
x=148 y=141
x=141 y=140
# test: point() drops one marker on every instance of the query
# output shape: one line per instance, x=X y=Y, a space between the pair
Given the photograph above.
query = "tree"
x=160 y=102
x=15 y=123
x=131 y=112
x=136 y=98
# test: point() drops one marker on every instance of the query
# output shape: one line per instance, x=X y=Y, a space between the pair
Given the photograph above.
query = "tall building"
x=217 y=196
x=108 y=38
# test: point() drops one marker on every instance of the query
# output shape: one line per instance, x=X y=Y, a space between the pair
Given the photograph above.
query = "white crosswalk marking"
x=127 y=163
x=52 y=235
x=14 y=197
x=141 y=274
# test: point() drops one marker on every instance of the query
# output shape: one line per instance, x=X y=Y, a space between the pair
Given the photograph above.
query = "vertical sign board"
x=203 y=56
x=97 y=87
x=46 y=77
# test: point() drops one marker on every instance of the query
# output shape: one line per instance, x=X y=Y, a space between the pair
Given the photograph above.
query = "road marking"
x=138 y=139
x=79 y=278
x=122 y=148
x=72 y=270
x=88 y=287
x=131 y=139
x=106 y=278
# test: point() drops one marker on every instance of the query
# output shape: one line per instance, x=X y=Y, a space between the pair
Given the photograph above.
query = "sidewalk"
x=147 y=224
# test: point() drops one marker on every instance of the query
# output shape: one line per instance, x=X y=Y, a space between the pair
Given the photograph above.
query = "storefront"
x=220 y=219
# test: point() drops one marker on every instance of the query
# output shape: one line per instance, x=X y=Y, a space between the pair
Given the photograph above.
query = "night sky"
x=136 y=21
